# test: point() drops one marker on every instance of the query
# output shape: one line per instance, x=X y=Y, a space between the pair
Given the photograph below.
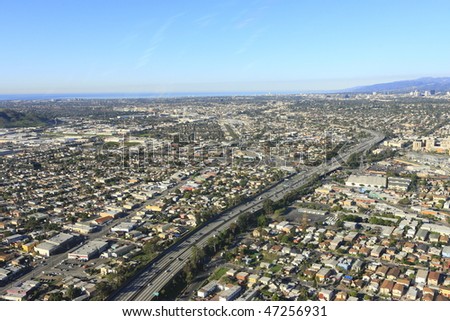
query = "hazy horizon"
x=172 y=92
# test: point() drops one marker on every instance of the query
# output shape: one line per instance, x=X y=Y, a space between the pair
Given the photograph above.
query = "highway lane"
x=153 y=278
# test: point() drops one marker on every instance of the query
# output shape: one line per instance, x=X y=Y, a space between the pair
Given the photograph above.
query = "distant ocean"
x=132 y=95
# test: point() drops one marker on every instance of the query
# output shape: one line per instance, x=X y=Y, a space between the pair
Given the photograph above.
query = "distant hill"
x=12 y=118
x=404 y=86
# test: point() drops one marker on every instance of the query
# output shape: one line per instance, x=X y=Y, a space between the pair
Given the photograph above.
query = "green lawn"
x=219 y=273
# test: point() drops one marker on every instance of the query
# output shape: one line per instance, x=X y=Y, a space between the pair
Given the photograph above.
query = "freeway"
x=151 y=280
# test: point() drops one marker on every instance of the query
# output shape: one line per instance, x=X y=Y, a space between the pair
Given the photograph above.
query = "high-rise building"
x=429 y=144
x=417 y=145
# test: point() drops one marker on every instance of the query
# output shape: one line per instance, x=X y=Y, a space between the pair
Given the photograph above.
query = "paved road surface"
x=147 y=285
x=54 y=260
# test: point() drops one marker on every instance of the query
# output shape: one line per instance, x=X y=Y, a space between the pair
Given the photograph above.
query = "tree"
x=233 y=228
x=320 y=238
x=354 y=160
x=275 y=297
x=188 y=273
x=32 y=224
x=37 y=166
x=262 y=221
x=116 y=279
x=212 y=244
x=56 y=296
x=277 y=213
x=268 y=206
x=198 y=255
x=242 y=223
x=72 y=292
x=285 y=239
x=104 y=289
x=440 y=204
x=404 y=201
x=198 y=218
x=151 y=246
x=243 y=182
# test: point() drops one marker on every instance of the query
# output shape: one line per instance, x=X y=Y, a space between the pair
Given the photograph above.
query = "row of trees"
x=199 y=257
x=270 y=207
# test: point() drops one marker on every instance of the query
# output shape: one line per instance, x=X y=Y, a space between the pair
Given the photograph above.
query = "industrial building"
x=432 y=144
x=367 y=181
x=399 y=183
x=230 y=294
x=124 y=227
x=57 y=243
x=89 y=250
x=446 y=252
x=208 y=289
x=14 y=238
x=119 y=251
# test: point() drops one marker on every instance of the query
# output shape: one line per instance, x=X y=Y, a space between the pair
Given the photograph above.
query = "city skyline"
x=261 y=46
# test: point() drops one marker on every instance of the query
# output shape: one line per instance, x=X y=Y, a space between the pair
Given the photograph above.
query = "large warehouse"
x=89 y=250
x=57 y=243
x=366 y=181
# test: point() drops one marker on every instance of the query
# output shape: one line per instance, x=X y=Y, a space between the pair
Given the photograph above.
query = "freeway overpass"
x=151 y=280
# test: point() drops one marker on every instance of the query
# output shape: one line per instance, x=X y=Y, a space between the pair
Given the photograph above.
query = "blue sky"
x=218 y=46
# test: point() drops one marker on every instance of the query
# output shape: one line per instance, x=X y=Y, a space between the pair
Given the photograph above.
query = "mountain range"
x=441 y=84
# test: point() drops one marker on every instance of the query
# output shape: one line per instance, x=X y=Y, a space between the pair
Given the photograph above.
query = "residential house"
x=382 y=271
x=445 y=291
x=421 y=276
x=374 y=285
x=253 y=278
x=398 y=290
x=326 y=295
x=412 y=294
x=428 y=293
x=242 y=276
x=377 y=251
x=341 y=296
x=386 y=287
x=434 y=278
x=393 y=273
x=323 y=274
